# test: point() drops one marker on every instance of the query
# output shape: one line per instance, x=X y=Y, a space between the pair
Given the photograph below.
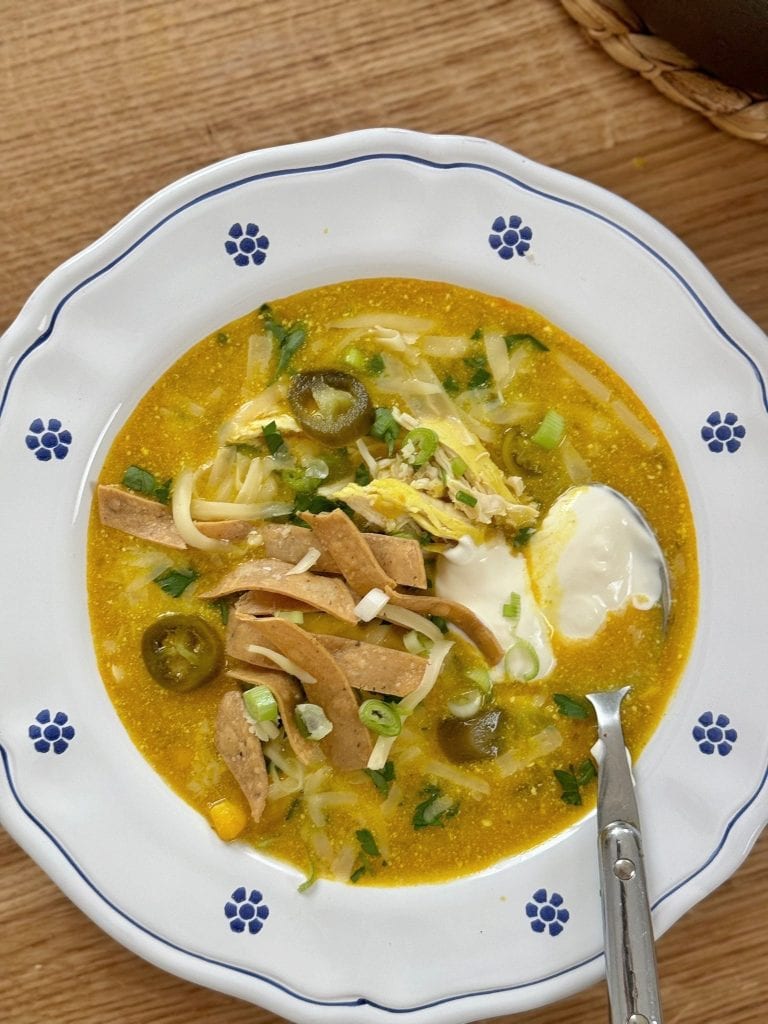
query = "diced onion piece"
x=466 y=705
x=383 y=744
x=282 y=662
x=412 y=620
x=389 y=321
x=371 y=605
x=380 y=717
x=444 y=346
x=583 y=377
x=550 y=431
x=401 y=386
x=344 y=862
x=575 y=466
x=305 y=563
x=261 y=704
x=312 y=721
x=259 y=352
x=265 y=731
x=289 y=766
x=458 y=777
x=498 y=357
x=521 y=661
x=632 y=423
x=543 y=743
x=181 y=507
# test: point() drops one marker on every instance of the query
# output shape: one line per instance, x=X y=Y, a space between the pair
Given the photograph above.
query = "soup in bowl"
x=357 y=557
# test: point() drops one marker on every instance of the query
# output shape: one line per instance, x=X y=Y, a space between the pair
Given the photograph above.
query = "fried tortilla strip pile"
x=348 y=745
x=242 y=752
x=399 y=557
x=345 y=543
x=288 y=694
x=367 y=666
x=271 y=575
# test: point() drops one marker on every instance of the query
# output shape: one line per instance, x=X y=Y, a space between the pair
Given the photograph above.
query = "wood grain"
x=103 y=102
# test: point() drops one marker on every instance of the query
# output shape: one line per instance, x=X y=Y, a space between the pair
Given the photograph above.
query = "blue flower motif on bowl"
x=713 y=734
x=51 y=733
x=48 y=441
x=546 y=912
x=246 y=245
x=510 y=236
x=246 y=910
x=723 y=432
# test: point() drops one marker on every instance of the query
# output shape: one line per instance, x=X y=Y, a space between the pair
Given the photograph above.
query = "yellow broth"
x=176 y=426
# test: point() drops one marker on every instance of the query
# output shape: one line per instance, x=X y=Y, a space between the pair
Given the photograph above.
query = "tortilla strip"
x=259 y=602
x=269 y=574
x=349 y=744
x=399 y=557
x=288 y=694
x=242 y=752
x=347 y=547
x=137 y=516
x=367 y=666
x=227 y=529
x=459 y=614
x=380 y=669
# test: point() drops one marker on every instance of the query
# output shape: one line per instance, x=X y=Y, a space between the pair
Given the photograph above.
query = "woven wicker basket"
x=625 y=38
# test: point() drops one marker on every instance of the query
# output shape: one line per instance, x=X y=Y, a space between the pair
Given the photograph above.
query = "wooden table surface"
x=103 y=102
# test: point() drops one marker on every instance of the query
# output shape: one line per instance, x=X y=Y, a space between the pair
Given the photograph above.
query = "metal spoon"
x=633 y=985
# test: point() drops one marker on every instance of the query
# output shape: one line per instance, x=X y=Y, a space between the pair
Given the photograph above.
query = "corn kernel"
x=228 y=819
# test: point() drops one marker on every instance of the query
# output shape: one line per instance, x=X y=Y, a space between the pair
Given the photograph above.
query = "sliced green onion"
x=458 y=467
x=297 y=617
x=380 y=717
x=550 y=431
x=466 y=499
x=356 y=359
x=521 y=661
x=466 y=705
x=312 y=721
x=273 y=437
x=481 y=677
x=511 y=610
x=424 y=442
x=261 y=704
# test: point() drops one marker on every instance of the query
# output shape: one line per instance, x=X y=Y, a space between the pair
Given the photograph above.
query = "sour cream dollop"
x=591 y=556
x=482 y=577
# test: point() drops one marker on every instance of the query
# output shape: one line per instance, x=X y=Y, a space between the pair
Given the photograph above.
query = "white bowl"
x=87 y=345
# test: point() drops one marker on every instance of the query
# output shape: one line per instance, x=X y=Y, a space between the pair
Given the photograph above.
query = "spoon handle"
x=633 y=986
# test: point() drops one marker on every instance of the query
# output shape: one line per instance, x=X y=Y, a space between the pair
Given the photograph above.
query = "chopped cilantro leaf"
x=367 y=842
x=382 y=778
x=477 y=334
x=362 y=475
x=571 y=782
x=222 y=338
x=311 y=878
x=221 y=604
x=314 y=503
x=376 y=365
x=357 y=874
x=174 y=582
x=434 y=810
x=451 y=386
x=273 y=437
x=289 y=339
x=135 y=478
x=516 y=339
x=571 y=707
x=440 y=622
x=523 y=535
x=294 y=806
